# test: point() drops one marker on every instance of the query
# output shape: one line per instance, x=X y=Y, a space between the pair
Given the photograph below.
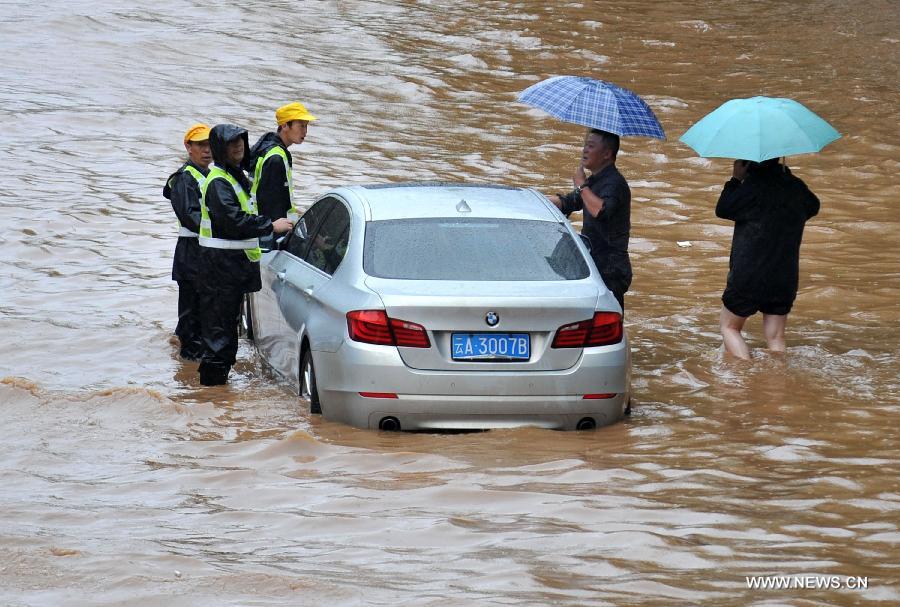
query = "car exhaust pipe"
x=586 y=423
x=389 y=424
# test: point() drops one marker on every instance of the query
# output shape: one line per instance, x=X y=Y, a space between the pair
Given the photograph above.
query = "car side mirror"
x=300 y=229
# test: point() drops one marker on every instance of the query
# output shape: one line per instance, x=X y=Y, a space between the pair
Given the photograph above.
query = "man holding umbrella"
x=605 y=199
x=609 y=111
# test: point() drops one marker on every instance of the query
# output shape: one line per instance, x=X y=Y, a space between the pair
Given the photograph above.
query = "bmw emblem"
x=492 y=318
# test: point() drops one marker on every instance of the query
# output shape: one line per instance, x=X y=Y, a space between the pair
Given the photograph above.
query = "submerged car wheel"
x=245 y=323
x=308 y=387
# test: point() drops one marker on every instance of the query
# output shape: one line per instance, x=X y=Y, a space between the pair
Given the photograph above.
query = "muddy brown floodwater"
x=124 y=482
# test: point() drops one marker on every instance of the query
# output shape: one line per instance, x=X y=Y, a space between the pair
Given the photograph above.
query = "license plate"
x=491 y=346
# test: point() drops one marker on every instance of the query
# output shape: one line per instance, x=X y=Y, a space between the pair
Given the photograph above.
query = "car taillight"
x=603 y=329
x=370 y=326
x=376 y=327
x=409 y=334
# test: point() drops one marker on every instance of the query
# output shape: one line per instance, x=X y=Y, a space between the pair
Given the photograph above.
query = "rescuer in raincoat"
x=271 y=162
x=183 y=191
x=229 y=250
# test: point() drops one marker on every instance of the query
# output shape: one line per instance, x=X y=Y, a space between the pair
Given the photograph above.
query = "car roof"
x=423 y=200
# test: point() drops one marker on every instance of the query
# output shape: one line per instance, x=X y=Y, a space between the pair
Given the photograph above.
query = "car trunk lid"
x=474 y=319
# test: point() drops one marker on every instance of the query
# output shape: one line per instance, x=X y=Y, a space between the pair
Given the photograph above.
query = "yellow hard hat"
x=198 y=132
x=292 y=111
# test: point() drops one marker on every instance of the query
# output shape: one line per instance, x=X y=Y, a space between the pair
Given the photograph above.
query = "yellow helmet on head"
x=198 y=132
x=292 y=111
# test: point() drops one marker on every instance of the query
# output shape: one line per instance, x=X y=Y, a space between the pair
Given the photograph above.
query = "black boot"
x=213 y=374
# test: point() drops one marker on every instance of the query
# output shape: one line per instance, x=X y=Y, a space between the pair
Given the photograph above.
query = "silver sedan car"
x=433 y=307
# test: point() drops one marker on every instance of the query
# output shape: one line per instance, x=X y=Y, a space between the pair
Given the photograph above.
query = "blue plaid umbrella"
x=594 y=103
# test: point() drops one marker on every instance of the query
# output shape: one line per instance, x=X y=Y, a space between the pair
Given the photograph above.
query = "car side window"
x=310 y=220
x=329 y=244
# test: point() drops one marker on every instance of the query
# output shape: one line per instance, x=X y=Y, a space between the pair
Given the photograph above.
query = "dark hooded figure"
x=229 y=250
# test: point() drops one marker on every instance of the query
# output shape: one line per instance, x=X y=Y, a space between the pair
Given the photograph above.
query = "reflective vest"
x=275 y=150
x=200 y=179
x=250 y=246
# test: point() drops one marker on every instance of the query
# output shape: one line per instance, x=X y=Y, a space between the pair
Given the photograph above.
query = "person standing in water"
x=605 y=199
x=769 y=207
x=229 y=250
x=183 y=191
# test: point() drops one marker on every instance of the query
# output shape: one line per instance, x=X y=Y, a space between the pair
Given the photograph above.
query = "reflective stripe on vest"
x=275 y=150
x=250 y=246
x=183 y=232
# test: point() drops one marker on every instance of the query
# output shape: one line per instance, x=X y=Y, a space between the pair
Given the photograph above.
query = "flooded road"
x=125 y=482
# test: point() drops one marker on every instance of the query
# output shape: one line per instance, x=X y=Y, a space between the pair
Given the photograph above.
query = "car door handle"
x=307 y=292
x=280 y=276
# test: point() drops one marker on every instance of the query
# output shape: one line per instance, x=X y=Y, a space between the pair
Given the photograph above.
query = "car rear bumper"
x=470 y=399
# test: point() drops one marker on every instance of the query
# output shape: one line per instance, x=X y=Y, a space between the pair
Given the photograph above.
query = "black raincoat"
x=226 y=274
x=769 y=209
x=273 y=198
x=183 y=192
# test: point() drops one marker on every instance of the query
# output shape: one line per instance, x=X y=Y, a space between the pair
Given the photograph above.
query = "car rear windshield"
x=472 y=249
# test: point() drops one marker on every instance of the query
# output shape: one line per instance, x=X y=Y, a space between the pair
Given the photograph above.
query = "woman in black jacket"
x=769 y=207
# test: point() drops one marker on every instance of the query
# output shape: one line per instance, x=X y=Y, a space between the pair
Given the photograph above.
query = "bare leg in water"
x=773 y=327
x=731 y=325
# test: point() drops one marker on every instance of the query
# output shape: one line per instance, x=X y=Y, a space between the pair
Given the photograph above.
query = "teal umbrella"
x=759 y=128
